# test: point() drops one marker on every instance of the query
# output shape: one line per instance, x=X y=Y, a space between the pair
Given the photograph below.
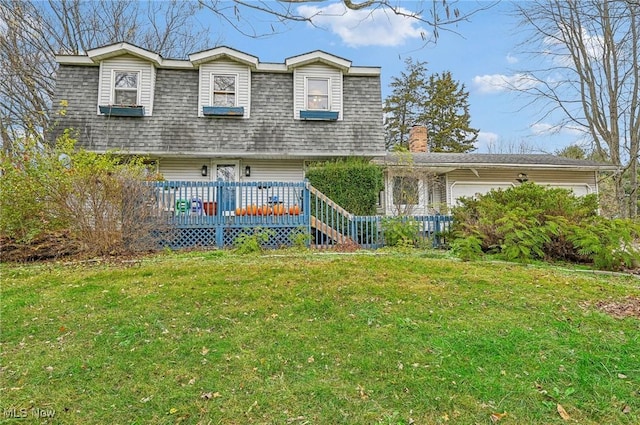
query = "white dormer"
x=127 y=79
x=318 y=85
x=224 y=82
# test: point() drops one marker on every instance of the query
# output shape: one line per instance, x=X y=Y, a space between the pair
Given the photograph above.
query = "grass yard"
x=308 y=338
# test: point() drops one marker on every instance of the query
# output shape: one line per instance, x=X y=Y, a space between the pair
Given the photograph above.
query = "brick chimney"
x=418 y=139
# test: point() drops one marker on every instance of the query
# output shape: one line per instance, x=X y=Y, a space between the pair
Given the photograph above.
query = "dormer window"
x=317 y=94
x=223 y=90
x=126 y=88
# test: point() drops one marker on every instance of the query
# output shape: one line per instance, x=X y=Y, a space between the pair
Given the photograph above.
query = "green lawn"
x=313 y=338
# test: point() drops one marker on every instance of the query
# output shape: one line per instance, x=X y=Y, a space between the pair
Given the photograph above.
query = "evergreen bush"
x=532 y=222
x=353 y=183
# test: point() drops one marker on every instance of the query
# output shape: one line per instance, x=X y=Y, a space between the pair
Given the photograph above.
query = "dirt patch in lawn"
x=628 y=307
x=50 y=246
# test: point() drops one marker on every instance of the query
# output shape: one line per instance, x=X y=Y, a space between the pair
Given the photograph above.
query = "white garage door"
x=577 y=189
x=458 y=190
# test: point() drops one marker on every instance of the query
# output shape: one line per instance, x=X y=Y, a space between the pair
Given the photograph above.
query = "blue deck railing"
x=216 y=213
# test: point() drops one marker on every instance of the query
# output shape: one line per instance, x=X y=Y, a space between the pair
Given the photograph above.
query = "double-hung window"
x=126 y=88
x=405 y=190
x=317 y=94
x=224 y=90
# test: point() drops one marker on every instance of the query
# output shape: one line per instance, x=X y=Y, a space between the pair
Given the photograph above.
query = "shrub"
x=531 y=222
x=251 y=243
x=352 y=183
x=100 y=200
x=400 y=231
x=300 y=237
x=611 y=244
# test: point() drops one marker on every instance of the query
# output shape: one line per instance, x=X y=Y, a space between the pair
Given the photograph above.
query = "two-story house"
x=221 y=113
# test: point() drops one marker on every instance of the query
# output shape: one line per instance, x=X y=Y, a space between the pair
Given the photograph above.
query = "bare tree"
x=32 y=33
x=435 y=14
x=589 y=75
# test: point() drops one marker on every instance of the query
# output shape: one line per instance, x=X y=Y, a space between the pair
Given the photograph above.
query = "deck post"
x=219 y=227
x=306 y=209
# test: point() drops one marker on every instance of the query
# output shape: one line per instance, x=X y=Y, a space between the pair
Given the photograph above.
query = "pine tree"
x=437 y=101
x=404 y=105
x=446 y=115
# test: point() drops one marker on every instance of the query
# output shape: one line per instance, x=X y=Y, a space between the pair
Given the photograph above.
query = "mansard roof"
x=93 y=57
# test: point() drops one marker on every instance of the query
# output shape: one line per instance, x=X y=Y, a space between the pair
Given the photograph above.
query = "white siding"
x=318 y=71
x=188 y=169
x=225 y=67
x=276 y=170
x=127 y=63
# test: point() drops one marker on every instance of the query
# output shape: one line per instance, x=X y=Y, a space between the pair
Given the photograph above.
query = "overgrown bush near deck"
x=532 y=222
x=352 y=183
x=100 y=201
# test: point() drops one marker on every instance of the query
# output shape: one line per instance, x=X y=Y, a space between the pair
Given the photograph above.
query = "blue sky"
x=482 y=54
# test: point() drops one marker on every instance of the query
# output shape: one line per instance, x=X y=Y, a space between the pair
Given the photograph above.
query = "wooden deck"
x=216 y=213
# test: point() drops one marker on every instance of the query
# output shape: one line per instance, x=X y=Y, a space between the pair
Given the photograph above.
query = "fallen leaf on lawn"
x=210 y=395
x=146 y=399
x=563 y=413
x=622 y=376
x=311 y=360
x=192 y=381
x=626 y=409
x=205 y=351
x=362 y=392
x=495 y=417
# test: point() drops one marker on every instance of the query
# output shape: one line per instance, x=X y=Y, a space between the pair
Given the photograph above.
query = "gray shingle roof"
x=485 y=160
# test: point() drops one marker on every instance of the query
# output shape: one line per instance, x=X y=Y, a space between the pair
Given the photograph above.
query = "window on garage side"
x=405 y=190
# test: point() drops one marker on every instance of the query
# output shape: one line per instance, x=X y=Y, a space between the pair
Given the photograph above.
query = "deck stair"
x=330 y=219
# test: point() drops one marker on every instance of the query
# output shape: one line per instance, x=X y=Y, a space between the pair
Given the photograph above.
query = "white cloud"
x=541 y=129
x=377 y=27
x=559 y=54
x=546 y=129
x=496 y=83
x=512 y=59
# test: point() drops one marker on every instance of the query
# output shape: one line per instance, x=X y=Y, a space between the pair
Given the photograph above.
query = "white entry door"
x=227 y=172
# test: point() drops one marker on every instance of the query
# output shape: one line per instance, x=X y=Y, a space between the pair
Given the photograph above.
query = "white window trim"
x=113 y=85
x=225 y=74
x=306 y=93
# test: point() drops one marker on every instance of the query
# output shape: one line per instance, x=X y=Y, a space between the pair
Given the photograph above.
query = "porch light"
x=522 y=177
x=247 y=171
x=204 y=171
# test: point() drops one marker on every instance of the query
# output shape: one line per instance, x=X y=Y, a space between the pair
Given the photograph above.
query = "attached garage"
x=471 y=189
x=456 y=175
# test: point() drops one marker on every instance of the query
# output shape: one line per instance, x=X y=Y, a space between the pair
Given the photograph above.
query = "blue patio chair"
x=196 y=206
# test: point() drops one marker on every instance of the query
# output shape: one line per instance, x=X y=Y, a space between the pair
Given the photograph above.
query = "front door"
x=227 y=172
